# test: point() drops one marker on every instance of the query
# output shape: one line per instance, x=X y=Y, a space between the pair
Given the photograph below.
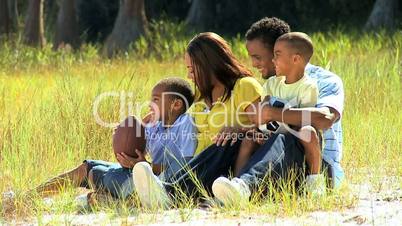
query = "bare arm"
x=321 y=118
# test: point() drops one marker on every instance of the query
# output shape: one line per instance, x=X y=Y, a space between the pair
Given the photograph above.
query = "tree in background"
x=96 y=19
x=198 y=15
x=13 y=13
x=34 y=28
x=130 y=24
x=66 y=25
x=383 y=14
x=8 y=16
x=5 y=20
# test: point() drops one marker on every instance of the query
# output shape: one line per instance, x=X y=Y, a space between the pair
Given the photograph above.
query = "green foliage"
x=47 y=124
x=96 y=17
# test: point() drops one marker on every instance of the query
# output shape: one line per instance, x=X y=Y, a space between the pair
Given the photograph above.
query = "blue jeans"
x=277 y=157
x=110 y=177
x=280 y=154
x=118 y=181
x=207 y=166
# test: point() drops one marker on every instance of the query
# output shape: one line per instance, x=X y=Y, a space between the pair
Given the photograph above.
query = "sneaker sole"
x=223 y=190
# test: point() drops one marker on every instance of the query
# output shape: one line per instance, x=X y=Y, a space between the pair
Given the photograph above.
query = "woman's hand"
x=228 y=133
x=129 y=162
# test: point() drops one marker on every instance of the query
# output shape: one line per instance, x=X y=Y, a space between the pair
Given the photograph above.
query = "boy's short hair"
x=179 y=86
x=268 y=29
x=300 y=42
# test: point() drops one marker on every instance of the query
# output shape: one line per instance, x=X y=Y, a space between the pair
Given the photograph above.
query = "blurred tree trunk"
x=5 y=20
x=66 y=26
x=8 y=16
x=198 y=15
x=13 y=13
x=382 y=15
x=130 y=24
x=33 y=31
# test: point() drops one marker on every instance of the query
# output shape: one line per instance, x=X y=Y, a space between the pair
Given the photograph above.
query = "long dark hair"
x=211 y=56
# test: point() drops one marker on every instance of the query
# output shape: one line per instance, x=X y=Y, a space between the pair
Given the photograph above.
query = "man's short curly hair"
x=268 y=29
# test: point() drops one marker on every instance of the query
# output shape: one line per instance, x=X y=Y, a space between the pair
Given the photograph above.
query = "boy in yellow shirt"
x=292 y=52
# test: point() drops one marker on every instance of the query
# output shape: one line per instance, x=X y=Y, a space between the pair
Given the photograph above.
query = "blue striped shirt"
x=331 y=94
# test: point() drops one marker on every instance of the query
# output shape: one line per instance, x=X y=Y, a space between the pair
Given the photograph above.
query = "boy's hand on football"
x=149 y=118
x=128 y=161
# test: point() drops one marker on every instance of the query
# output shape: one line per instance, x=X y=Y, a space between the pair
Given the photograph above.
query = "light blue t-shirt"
x=172 y=147
x=330 y=94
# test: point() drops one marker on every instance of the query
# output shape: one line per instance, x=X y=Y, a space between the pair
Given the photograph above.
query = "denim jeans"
x=118 y=181
x=275 y=159
x=280 y=154
x=213 y=162
x=110 y=177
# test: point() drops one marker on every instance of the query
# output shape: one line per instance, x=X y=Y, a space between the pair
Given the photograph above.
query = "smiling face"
x=261 y=57
x=160 y=104
x=283 y=58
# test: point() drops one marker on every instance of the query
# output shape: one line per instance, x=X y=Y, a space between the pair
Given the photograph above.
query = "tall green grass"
x=47 y=125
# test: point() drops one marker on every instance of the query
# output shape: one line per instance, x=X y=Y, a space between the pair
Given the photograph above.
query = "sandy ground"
x=380 y=208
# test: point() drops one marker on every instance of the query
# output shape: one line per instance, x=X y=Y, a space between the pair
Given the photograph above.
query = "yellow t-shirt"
x=209 y=122
x=303 y=93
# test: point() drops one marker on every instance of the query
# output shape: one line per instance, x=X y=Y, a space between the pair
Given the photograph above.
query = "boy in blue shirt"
x=170 y=140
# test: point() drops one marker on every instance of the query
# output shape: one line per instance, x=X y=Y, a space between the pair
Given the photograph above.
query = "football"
x=128 y=136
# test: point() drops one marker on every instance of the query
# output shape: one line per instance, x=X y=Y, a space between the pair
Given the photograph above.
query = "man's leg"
x=275 y=159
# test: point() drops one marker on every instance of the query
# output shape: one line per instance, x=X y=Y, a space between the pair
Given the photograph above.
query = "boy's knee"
x=308 y=134
x=308 y=129
x=95 y=176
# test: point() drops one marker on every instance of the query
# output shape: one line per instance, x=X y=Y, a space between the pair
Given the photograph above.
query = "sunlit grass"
x=47 y=124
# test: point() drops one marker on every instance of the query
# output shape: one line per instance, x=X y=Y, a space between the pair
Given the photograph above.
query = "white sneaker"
x=315 y=185
x=149 y=188
x=231 y=192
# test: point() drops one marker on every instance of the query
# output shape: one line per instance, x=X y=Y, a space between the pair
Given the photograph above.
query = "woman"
x=226 y=92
